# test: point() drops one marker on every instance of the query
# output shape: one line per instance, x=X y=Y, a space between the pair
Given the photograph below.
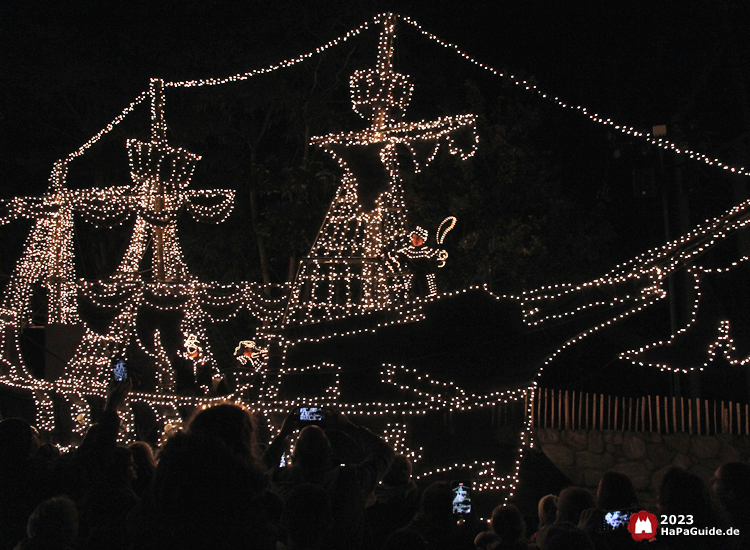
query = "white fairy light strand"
x=87 y=374
x=628 y=130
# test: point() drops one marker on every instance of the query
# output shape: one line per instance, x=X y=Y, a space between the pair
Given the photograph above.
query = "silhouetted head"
x=572 y=502
x=508 y=523
x=18 y=441
x=486 y=540
x=405 y=539
x=437 y=500
x=313 y=449
x=563 y=536
x=54 y=521
x=731 y=484
x=547 y=510
x=230 y=423
x=399 y=472
x=615 y=492
x=684 y=493
x=143 y=455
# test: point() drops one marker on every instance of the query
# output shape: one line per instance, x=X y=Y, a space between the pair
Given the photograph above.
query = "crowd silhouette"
x=212 y=485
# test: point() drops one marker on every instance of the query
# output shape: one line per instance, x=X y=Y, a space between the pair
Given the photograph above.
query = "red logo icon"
x=643 y=526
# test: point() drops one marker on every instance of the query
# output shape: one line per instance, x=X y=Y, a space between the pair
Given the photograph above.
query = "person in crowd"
x=90 y=464
x=683 y=493
x=547 y=511
x=507 y=523
x=404 y=539
x=396 y=500
x=145 y=465
x=486 y=540
x=208 y=490
x=616 y=492
x=563 y=536
x=28 y=478
x=731 y=489
x=306 y=517
x=437 y=524
x=105 y=506
x=571 y=503
x=347 y=486
x=53 y=525
x=21 y=483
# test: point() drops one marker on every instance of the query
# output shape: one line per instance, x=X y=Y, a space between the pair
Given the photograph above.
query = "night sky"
x=68 y=68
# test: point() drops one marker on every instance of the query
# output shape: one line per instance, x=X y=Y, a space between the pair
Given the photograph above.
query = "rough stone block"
x=724 y=438
x=547 y=435
x=729 y=453
x=591 y=478
x=660 y=454
x=633 y=446
x=613 y=436
x=702 y=472
x=575 y=439
x=559 y=454
x=596 y=441
x=679 y=441
x=610 y=448
x=704 y=446
x=657 y=476
x=637 y=472
x=710 y=463
x=587 y=459
x=681 y=461
x=652 y=437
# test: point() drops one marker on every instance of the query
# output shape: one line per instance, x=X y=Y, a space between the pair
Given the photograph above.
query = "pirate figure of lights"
x=422 y=260
x=250 y=355
x=193 y=355
x=250 y=358
x=347 y=270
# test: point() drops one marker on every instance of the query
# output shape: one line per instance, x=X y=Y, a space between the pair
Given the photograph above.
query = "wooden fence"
x=572 y=410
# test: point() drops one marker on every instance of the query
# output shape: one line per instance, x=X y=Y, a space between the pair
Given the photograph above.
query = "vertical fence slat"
x=601 y=411
x=658 y=415
x=739 y=420
x=546 y=406
x=682 y=413
x=705 y=406
x=698 y=414
x=616 y=404
x=716 y=428
x=630 y=414
x=650 y=416
x=690 y=416
x=637 y=412
x=567 y=416
x=674 y=413
x=747 y=420
x=580 y=417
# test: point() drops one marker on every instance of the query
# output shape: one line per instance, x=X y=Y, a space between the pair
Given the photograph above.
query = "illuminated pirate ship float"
x=429 y=371
x=357 y=274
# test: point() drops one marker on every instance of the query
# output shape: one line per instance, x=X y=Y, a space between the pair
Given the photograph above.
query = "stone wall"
x=585 y=455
